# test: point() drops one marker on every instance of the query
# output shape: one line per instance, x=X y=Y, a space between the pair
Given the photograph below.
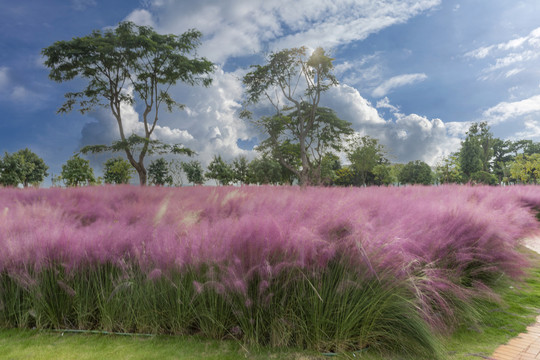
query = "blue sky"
x=413 y=74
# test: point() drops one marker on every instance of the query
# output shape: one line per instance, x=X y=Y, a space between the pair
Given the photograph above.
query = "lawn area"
x=18 y=344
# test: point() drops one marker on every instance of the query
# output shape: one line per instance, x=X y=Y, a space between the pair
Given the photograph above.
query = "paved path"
x=525 y=346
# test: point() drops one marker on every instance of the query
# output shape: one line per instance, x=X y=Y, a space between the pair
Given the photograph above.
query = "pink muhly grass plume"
x=440 y=240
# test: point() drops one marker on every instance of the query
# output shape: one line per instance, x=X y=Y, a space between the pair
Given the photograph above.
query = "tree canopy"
x=364 y=153
x=293 y=84
x=220 y=171
x=194 y=172
x=158 y=172
x=22 y=167
x=416 y=172
x=117 y=171
x=77 y=171
x=126 y=64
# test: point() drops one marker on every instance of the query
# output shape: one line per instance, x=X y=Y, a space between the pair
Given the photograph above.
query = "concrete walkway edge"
x=525 y=346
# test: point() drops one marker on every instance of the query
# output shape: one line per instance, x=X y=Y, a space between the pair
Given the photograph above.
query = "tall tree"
x=77 y=171
x=240 y=168
x=470 y=159
x=117 y=171
x=123 y=65
x=175 y=171
x=265 y=170
x=22 y=167
x=194 y=172
x=526 y=168
x=477 y=150
x=293 y=84
x=383 y=175
x=329 y=165
x=158 y=172
x=416 y=172
x=484 y=137
x=364 y=153
x=220 y=171
x=448 y=170
x=502 y=157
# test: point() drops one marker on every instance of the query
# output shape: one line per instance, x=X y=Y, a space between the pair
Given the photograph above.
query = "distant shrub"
x=483 y=177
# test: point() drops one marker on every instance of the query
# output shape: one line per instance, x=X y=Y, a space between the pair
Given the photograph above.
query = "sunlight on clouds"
x=533 y=40
x=513 y=72
x=407 y=137
x=397 y=81
x=246 y=27
x=532 y=130
x=508 y=110
x=351 y=106
x=141 y=17
x=209 y=126
x=385 y=103
x=426 y=140
x=521 y=50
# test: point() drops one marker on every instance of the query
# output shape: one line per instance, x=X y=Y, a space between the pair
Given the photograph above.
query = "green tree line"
x=481 y=159
x=134 y=65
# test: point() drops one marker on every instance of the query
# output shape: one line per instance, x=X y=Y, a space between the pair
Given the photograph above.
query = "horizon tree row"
x=486 y=159
x=136 y=66
x=368 y=165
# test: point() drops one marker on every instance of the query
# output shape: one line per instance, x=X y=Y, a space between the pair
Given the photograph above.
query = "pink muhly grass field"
x=256 y=227
x=447 y=243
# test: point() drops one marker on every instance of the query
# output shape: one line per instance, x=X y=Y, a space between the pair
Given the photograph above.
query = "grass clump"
x=331 y=270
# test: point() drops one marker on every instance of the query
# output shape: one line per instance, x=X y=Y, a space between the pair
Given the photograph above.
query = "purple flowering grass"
x=445 y=241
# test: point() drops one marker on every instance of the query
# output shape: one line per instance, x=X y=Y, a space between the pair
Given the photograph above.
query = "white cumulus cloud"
x=141 y=17
x=508 y=110
x=397 y=81
x=247 y=27
x=531 y=131
x=514 y=53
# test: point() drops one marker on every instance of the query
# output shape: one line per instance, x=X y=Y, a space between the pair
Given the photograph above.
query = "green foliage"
x=137 y=143
x=383 y=175
x=158 y=172
x=338 y=310
x=298 y=119
x=502 y=156
x=194 y=172
x=127 y=57
x=344 y=176
x=23 y=167
x=448 y=171
x=365 y=153
x=483 y=177
x=499 y=321
x=176 y=171
x=330 y=163
x=219 y=170
x=77 y=171
x=416 y=172
x=526 y=168
x=476 y=150
x=117 y=171
x=240 y=167
x=265 y=170
x=55 y=345
x=469 y=157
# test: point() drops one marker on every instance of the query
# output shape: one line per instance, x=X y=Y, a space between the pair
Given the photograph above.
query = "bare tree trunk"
x=142 y=176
